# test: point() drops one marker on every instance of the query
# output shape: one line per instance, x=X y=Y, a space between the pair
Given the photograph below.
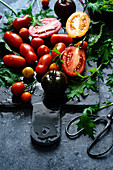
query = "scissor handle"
x=73 y=135
x=97 y=138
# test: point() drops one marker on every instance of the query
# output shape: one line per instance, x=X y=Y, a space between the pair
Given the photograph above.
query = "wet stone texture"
x=19 y=152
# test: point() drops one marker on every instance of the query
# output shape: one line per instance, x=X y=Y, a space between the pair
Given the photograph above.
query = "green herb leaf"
x=99 y=5
x=35 y=20
x=110 y=82
x=77 y=87
x=102 y=51
x=95 y=7
x=94 y=35
x=8 y=24
x=86 y=122
x=4 y=48
x=7 y=77
x=46 y=14
x=107 y=5
x=26 y=11
x=107 y=102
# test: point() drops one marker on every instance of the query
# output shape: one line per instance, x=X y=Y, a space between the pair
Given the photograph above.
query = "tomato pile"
x=61 y=61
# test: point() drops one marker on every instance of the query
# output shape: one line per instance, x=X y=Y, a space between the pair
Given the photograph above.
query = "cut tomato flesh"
x=49 y=27
x=74 y=60
x=77 y=24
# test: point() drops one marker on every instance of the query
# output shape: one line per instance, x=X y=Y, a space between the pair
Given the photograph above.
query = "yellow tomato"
x=77 y=24
x=54 y=66
x=28 y=72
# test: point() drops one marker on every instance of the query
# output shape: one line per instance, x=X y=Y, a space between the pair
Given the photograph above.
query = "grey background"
x=16 y=149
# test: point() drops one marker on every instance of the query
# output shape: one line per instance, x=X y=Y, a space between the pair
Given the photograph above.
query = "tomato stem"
x=84 y=5
x=63 y=1
x=32 y=2
x=38 y=5
x=29 y=87
x=9 y=7
x=107 y=105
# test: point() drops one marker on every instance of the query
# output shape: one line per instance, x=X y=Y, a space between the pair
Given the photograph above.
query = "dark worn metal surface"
x=17 y=152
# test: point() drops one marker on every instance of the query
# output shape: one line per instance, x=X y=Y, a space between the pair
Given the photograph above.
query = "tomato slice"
x=77 y=24
x=73 y=59
x=49 y=27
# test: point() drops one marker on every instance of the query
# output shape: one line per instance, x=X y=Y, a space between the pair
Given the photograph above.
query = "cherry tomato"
x=61 y=37
x=64 y=9
x=26 y=97
x=14 y=61
x=43 y=49
x=60 y=47
x=54 y=66
x=28 y=72
x=43 y=64
x=13 y=39
x=74 y=59
x=45 y=3
x=20 y=22
x=24 y=33
x=28 y=53
x=17 y=88
x=82 y=45
x=37 y=42
x=49 y=26
x=77 y=24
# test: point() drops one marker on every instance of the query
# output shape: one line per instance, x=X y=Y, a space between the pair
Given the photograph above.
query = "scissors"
x=107 y=120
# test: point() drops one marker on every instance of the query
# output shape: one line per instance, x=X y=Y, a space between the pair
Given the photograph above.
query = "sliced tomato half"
x=49 y=27
x=74 y=59
x=77 y=24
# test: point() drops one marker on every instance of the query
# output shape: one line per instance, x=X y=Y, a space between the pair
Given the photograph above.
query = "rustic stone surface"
x=17 y=152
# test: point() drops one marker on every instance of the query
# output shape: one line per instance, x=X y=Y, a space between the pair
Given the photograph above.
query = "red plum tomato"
x=28 y=53
x=74 y=59
x=61 y=37
x=41 y=69
x=17 y=88
x=60 y=47
x=24 y=33
x=45 y=60
x=43 y=49
x=43 y=64
x=36 y=42
x=13 y=39
x=49 y=26
x=14 y=61
x=20 y=22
